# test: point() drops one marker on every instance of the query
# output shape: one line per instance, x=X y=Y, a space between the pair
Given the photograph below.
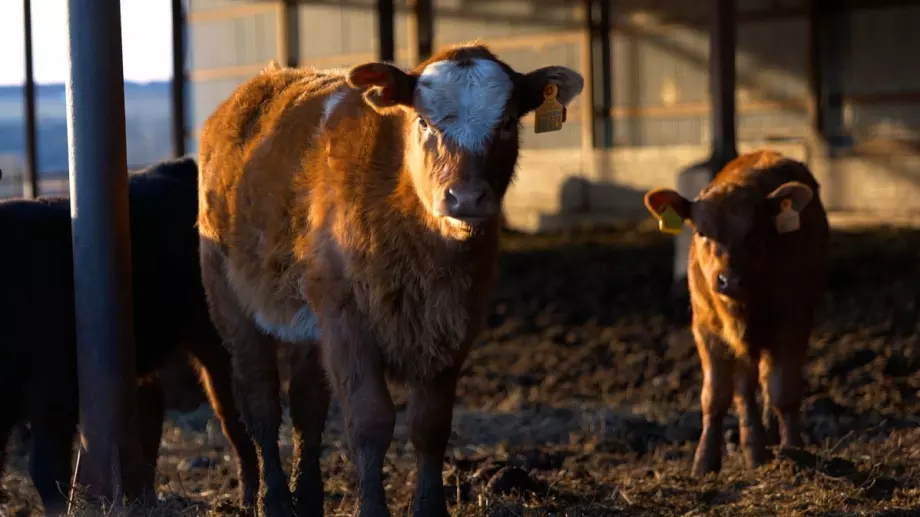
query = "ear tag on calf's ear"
x=669 y=221
x=551 y=114
x=787 y=220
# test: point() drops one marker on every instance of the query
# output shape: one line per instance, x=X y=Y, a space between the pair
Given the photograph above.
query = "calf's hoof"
x=430 y=509
x=373 y=510
x=755 y=456
x=309 y=508
x=793 y=441
x=276 y=505
x=704 y=462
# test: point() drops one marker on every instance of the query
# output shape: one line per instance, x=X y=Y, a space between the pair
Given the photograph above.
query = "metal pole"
x=178 y=81
x=386 y=46
x=722 y=43
x=110 y=463
x=587 y=66
x=606 y=72
x=30 y=175
x=424 y=27
x=815 y=79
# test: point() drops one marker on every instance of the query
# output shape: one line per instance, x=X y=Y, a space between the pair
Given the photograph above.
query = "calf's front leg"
x=715 y=399
x=355 y=368
x=430 y=413
x=750 y=425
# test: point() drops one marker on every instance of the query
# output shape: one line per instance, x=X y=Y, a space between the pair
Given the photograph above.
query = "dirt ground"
x=582 y=399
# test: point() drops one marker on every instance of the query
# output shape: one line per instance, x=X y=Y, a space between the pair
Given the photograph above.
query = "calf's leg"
x=255 y=381
x=781 y=375
x=215 y=371
x=769 y=417
x=150 y=412
x=355 y=367
x=430 y=414
x=54 y=418
x=309 y=397
x=749 y=419
x=8 y=419
x=718 y=366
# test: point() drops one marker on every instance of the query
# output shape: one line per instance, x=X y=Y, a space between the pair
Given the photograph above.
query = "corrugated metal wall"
x=659 y=52
x=659 y=63
x=884 y=84
x=229 y=41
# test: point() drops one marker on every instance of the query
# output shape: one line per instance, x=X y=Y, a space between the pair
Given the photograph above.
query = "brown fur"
x=758 y=320
x=337 y=214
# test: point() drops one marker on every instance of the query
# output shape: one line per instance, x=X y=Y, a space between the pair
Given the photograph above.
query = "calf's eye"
x=422 y=123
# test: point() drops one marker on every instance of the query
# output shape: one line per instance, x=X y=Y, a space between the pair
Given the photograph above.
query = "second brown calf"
x=756 y=276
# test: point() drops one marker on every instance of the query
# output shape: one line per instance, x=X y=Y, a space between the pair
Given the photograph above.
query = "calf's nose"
x=468 y=201
x=727 y=284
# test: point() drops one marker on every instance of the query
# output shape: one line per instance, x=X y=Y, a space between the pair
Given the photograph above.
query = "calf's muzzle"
x=469 y=201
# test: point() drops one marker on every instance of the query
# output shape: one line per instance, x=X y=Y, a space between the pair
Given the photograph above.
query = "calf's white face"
x=462 y=110
x=465 y=102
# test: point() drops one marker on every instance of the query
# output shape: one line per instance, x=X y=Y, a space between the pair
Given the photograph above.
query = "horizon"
x=146 y=30
x=62 y=84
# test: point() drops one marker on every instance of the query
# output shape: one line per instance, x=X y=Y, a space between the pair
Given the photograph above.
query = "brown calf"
x=360 y=209
x=756 y=275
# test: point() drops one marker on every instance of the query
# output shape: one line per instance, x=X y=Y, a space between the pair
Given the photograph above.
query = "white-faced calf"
x=359 y=210
x=756 y=275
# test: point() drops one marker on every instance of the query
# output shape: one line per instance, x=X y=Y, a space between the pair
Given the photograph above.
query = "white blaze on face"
x=465 y=102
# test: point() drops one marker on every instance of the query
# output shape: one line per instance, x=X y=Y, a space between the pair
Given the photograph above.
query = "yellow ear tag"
x=551 y=114
x=787 y=220
x=669 y=221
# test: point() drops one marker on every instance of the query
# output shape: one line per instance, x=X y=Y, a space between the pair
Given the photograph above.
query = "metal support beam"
x=292 y=22
x=605 y=55
x=815 y=80
x=588 y=58
x=30 y=175
x=602 y=79
x=110 y=459
x=423 y=29
x=386 y=40
x=178 y=81
x=836 y=57
x=722 y=44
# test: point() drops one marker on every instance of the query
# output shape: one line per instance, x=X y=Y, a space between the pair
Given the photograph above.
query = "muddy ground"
x=583 y=398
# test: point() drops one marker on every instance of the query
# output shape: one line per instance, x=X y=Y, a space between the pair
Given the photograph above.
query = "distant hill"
x=15 y=92
x=147 y=121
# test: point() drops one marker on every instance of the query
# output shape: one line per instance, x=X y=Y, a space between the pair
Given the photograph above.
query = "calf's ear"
x=385 y=86
x=670 y=208
x=569 y=83
x=796 y=193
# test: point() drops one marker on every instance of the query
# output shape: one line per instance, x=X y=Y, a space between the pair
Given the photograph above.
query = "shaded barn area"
x=582 y=396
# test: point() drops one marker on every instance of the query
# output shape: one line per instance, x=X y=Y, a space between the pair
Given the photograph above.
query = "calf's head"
x=461 y=113
x=732 y=227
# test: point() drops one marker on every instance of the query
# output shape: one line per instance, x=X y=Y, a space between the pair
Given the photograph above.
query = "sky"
x=146 y=36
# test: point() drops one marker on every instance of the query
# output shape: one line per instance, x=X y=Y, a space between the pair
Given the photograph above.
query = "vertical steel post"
x=110 y=463
x=722 y=43
x=424 y=28
x=386 y=40
x=30 y=175
x=178 y=81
